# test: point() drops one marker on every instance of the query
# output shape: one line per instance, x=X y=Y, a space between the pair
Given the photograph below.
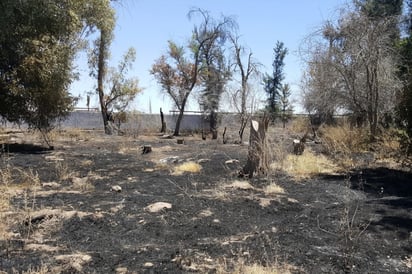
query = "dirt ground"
x=64 y=213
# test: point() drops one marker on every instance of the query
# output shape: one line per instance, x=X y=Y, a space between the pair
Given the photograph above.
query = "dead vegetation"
x=188 y=197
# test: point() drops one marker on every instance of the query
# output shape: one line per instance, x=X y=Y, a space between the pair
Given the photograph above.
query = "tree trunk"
x=258 y=159
x=243 y=122
x=162 y=118
x=100 y=78
x=179 y=120
x=213 y=124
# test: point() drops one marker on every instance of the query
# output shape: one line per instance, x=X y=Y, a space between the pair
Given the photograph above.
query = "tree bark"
x=100 y=78
x=162 y=118
x=258 y=159
x=179 y=120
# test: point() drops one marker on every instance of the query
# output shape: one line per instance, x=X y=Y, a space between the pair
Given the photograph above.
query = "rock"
x=148 y=265
x=231 y=161
x=116 y=188
x=159 y=206
x=50 y=185
x=169 y=160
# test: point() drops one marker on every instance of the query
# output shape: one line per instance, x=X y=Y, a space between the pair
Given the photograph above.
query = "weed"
x=62 y=171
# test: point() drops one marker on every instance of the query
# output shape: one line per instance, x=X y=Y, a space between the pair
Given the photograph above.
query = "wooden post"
x=258 y=160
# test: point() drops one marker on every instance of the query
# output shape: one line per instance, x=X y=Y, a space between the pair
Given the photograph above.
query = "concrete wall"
x=144 y=122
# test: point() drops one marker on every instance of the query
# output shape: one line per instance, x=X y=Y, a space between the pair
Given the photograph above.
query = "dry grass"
x=344 y=139
x=72 y=134
x=83 y=184
x=242 y=268
x=240 y=184
x=187 y=167
x=273 y=188
x=306 y=165
x=43 y=269
x=299 y=124
x=62 y=171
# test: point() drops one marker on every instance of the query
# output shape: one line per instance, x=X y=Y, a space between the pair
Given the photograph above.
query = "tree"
x=38 y=41
x=359 y=55
x=286 y=108
x=100 y=53
x=246 y=69
x=273 y=83
x=322 y=85
x=404 y=107
x=209 y=39
x=177 y=75
x=121 y=90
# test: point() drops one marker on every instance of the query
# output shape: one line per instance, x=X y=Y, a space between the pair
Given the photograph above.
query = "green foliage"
x=285 y=104
x=273 y=83
x=208 y=41
x=380 y=8
x=37 y=41
x=122 y=90
x=178 y=76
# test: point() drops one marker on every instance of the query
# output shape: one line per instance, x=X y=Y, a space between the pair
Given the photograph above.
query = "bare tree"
x=355 y=69
x=246 y=68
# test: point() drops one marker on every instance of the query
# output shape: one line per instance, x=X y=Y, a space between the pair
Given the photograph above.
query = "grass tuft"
x=306 y=165
x=273 y=188
x=188 y=167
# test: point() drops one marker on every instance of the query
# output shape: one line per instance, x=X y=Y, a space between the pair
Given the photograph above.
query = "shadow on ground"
x=24 y=148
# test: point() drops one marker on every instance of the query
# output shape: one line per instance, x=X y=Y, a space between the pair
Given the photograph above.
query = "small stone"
x=231 y=161
x=159 y=206
x=116 y=188
x=148 y=265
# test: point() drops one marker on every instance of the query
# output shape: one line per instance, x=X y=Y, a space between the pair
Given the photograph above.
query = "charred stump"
x=258 y=158
x=299 y=145
x=146 y=149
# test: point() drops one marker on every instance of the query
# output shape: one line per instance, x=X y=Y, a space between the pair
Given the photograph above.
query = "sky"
x=147 y=25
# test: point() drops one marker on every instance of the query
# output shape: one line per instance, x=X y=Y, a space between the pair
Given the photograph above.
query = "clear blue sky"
x=147 y=25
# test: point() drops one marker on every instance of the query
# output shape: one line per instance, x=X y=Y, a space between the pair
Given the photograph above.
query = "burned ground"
x=64 y=217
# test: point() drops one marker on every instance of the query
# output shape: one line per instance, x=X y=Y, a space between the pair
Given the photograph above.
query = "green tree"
x=273 y=83
x=39 y=40
x=209 y=39
x=177 y=74
x=286 y=108
x=99 y=56
x=37 y=47
x=380 y=8
x=119 y=90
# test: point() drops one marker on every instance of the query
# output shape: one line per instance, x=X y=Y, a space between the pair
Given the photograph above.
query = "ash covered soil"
x=65 y=216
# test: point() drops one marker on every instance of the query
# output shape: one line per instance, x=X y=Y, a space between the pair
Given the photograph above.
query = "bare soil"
x=66 y=217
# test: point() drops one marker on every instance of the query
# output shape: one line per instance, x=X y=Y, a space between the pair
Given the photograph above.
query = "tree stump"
x=146 y=149
x=258 y=159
